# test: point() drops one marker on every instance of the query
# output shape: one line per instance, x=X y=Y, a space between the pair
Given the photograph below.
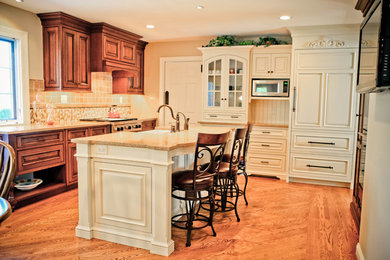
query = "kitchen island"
x=125 y=185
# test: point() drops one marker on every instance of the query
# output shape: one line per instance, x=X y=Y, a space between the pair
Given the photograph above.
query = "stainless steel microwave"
x=270 y=87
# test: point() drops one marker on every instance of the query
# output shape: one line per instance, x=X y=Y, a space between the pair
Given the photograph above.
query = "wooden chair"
x=226 y=178
x=7 y=175
x=197 y=184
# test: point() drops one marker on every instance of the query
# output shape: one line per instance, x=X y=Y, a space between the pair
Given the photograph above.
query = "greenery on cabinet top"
x=230 y=40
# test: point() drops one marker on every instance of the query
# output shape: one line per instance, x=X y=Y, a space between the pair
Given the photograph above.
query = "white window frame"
x=21 y=75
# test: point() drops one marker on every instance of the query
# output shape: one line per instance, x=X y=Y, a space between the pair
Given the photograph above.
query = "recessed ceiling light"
x=150 y=26
x=200 y=7
x=20 y=1
x=285 y=17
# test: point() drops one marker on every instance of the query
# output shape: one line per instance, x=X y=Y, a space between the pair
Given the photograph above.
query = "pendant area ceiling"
x=174 y=19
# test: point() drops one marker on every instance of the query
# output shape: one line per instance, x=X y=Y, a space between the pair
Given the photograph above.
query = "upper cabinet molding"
x=330 y=36
x=364 y=6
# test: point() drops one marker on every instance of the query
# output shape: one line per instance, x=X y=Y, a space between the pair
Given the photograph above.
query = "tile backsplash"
x=66 y=107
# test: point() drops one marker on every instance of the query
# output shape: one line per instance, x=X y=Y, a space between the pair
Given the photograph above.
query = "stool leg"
x=212 y=204
x=246 y=182
x=235 y=204
x=190 y=218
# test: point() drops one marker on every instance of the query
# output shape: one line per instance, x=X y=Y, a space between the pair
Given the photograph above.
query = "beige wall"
x=156 y=50
x=30 y=23
x=374 y=237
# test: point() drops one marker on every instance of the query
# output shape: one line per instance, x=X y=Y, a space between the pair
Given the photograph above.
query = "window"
x=8 y=98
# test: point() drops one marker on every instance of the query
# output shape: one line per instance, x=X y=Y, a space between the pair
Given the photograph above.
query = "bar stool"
x=226 y=178
x=197 y=184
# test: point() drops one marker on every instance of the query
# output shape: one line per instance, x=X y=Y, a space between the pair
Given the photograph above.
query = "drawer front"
x=268 y=146
x=148 y=125
x=323 y=168
x=101 y=130
x=77 y=133
x=40 y=158
x=267 y=162
x=331 y=142
x=224 y=117
x=259 y=133
x=35 y=140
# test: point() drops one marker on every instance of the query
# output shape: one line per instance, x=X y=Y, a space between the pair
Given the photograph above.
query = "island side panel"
x=84 y=228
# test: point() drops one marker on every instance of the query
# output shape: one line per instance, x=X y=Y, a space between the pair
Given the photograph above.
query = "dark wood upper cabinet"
x=73 y=48
x=66 y=50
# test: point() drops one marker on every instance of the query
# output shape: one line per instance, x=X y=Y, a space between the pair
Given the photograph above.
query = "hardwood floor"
x=282 y=221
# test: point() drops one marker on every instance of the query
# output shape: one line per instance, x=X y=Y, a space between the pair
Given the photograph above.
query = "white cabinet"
x=267 y=151
x=225 y=84
x=323 y=115
x=271 y=62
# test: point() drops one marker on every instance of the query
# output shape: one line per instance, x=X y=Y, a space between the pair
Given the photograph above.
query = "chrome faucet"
x=177 y=119
x=185 y=120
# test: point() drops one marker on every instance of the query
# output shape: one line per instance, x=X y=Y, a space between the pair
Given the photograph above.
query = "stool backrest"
x=7 y=168
x=246 y=144
x=237 y=145
x=210 y=146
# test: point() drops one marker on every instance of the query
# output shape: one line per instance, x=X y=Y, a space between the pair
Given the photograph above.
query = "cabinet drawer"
x=259 y=133
x=100 y=130
x=35 y=140
x=40 y=158
x=331 y=169
x=267 y=162
x=224 y=117
x=268 y=146
x=331 y=142
x=77 y=133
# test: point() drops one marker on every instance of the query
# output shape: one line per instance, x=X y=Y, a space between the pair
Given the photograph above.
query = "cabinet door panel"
x=51 y=51
x=262 y=65
x=281 y=65
x=308 y=100
x=111 y=48
x=71 y=175
x=338 y=100
x=84 y=61
x=127 y=52
x=325 y=60
x=69 y=59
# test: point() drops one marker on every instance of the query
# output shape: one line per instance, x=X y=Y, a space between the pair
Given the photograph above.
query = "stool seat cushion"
x=224 y=170
x=184 y=180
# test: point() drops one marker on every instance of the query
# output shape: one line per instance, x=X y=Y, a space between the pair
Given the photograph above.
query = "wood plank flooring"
x=283 y=221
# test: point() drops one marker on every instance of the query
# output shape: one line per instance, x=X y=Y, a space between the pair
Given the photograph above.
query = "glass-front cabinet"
x=226 y=82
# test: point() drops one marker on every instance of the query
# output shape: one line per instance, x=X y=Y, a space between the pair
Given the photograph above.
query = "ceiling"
x=174 y=19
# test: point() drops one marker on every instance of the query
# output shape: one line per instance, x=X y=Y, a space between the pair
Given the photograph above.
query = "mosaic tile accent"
x=78 y=105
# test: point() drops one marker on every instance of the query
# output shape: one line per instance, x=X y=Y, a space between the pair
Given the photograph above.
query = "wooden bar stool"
x=193 y=186
x=225 y=181
x=7 y=175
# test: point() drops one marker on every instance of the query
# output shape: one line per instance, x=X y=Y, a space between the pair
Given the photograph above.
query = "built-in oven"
x=270 y=87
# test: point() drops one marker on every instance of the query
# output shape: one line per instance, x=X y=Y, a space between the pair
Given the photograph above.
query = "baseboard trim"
x=359 y=252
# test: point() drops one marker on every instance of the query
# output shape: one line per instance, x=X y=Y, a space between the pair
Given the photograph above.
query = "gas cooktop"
x=108 y=119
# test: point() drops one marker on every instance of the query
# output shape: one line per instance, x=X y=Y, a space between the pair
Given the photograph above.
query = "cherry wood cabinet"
x=66 y=51
x=148 y=125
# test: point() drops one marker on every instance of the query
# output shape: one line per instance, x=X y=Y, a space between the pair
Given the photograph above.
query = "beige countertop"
x=22 y=129
x=155 y=139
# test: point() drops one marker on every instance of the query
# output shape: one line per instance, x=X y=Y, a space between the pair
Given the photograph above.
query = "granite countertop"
x=159 y=139
x=22 y=129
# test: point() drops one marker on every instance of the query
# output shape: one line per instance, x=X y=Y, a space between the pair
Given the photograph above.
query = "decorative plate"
x=27 y=184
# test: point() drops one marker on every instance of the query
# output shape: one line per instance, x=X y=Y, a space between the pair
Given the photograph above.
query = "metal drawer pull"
x=266 y=145
x=213 y=116
x=265 y=162
x=319 y=166
x=266 y=132
x=234 y=116
x=328 y=143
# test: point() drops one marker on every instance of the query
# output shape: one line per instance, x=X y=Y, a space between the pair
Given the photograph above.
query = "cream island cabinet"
x=225 y=84
x=125 y=185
